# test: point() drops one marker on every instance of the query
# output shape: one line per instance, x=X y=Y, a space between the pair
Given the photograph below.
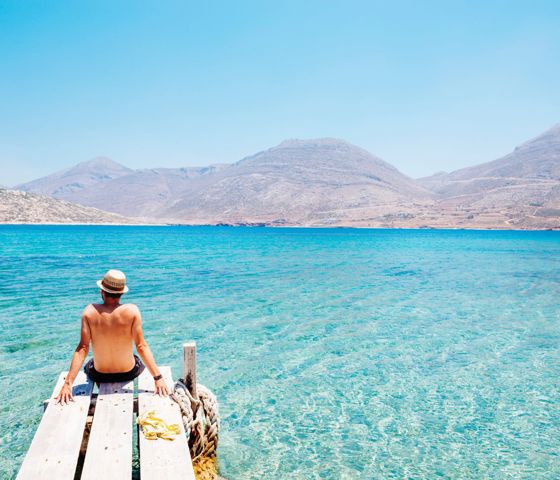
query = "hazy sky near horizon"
x=427 y=86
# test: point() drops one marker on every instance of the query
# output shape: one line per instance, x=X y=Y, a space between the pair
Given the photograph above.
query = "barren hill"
x=24 y=207
x=320 y=181
x=326 y=182
x=523 y=187
x=107 y=185
x=69 y=182
x=537 y=160
x=323 y=181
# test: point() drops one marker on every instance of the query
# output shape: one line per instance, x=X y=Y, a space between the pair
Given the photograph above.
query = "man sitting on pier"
x=111 y=328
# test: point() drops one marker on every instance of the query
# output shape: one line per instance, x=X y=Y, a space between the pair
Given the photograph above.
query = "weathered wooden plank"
x=55 y=448
x=109 y=450
x=189 y=367
x=162 y=459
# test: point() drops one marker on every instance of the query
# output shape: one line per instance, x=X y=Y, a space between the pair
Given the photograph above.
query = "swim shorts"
x=101 y=377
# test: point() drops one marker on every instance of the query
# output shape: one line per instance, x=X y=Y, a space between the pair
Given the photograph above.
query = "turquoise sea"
x=334 y=353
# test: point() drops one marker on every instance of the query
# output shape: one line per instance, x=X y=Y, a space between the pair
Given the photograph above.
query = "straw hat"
x=114 y=281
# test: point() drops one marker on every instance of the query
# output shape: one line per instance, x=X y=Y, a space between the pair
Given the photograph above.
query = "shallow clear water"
x=335 y=353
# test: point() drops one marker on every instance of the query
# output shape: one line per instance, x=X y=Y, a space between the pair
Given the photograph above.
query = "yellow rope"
x=154 y=427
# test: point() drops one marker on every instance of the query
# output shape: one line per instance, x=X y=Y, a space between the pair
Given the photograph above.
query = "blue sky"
x=427 y=86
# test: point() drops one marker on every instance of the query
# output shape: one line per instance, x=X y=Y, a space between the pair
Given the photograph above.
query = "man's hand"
x=65 y=394
x=161 y=387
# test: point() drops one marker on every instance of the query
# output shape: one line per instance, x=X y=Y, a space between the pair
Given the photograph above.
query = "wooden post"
x=189 y=367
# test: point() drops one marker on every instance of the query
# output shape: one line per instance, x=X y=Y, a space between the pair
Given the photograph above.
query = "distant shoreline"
x=310 y=227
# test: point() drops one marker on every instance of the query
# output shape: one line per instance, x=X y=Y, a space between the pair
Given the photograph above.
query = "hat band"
x=112 y=287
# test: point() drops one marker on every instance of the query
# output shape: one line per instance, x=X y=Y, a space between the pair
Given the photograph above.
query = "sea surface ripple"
x=334 y=353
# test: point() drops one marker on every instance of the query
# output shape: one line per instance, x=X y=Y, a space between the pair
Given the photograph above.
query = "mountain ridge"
x=324 y=164
x=534 y=160
x=297 y=181
x=328 y=181
x=75 y=178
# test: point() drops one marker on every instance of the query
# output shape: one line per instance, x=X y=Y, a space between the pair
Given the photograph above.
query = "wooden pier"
x=57 y=450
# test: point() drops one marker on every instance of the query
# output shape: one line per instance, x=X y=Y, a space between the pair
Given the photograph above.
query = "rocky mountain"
x=298 y=182
x=536 y=160
x=24 y=207
x=326 y=182
x=68 y=183
x=107 y=185
x=523 y=187
x=320 y=181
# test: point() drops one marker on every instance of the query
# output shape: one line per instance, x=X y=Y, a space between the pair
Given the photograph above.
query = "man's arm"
x=80 y=354
x=146 y=354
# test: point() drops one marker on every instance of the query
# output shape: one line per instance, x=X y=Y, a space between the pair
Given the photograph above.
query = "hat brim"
x=108 y=290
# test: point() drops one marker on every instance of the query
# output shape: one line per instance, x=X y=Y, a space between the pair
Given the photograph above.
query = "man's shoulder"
x=130 y=308
x=89 y=310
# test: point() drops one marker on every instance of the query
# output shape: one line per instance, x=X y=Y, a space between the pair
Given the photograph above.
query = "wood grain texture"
x=55 y=448
x=162 y=459
x=189 y=367
x=109 y=451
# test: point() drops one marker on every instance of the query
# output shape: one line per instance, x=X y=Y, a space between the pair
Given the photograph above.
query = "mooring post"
x=189 y=367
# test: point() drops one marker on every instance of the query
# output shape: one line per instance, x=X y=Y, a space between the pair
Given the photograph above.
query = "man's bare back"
x=111 y=329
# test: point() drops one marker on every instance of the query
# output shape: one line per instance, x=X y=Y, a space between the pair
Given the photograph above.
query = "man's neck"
x=111 y=303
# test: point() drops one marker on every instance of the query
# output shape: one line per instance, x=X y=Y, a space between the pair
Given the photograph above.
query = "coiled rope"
x=201 y=419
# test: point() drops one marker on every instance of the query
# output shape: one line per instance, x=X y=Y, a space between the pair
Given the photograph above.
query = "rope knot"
x=200 y=418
